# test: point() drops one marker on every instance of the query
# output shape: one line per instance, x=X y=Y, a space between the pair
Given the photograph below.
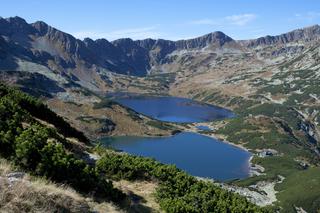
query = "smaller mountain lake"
x=196 y=154
x=174 y=109
x=204 y=128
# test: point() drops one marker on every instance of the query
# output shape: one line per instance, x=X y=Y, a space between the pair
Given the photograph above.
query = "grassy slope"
x=292 y=189
x=33 y=194
x=106 y=118
x=278 y=126
x=301 y=188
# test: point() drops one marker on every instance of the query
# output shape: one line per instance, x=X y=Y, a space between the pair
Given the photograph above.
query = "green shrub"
x=178 y=191
x=41 y=150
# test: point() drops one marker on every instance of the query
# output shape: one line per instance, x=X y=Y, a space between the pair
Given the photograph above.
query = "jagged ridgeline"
x=38 y=141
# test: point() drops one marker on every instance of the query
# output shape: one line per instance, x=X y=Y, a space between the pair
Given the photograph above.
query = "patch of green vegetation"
x=300 y=189
x=283 y=88
x=42 y=150
x=205 y=132
x=215 y=97
x=242 y=77
x=274 y=166
x=271 y=110
x=238 y=101
x=297 y=91
x=159 y=125
x=281 y=130
x=277 y=126
x=289 y=63
x=38 y=110
x=133 y=114
x=258 y=82
x=164 y=79
x=178 y=191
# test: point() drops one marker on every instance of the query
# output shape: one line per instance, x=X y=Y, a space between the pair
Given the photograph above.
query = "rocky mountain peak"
x=121 y=40
x=16 y=20
x=216 y=38
x=88 y=41
x=311 y=32
x=14 y=25
x=41 y=27
x=104 y=42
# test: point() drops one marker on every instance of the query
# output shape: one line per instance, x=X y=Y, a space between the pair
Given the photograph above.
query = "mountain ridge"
x=90 y=62
x=306 y=33
x=308 y=29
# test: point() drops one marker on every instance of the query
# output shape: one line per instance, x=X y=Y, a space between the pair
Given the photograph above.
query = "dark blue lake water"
x=196 y=154
x=174 y=109
x=204 y=128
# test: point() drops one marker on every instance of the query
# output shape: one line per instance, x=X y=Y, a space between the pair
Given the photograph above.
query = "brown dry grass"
x=31 y=194
x=141 y=194
x=125 y=124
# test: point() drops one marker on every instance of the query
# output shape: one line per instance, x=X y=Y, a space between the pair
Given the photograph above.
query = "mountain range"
x=38 y=47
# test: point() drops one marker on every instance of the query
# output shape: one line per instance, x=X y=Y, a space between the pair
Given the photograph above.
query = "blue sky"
x=168 y=19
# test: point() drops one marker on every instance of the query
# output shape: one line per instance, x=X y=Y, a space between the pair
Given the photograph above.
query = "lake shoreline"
x=211 y=154
x=253 y=170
